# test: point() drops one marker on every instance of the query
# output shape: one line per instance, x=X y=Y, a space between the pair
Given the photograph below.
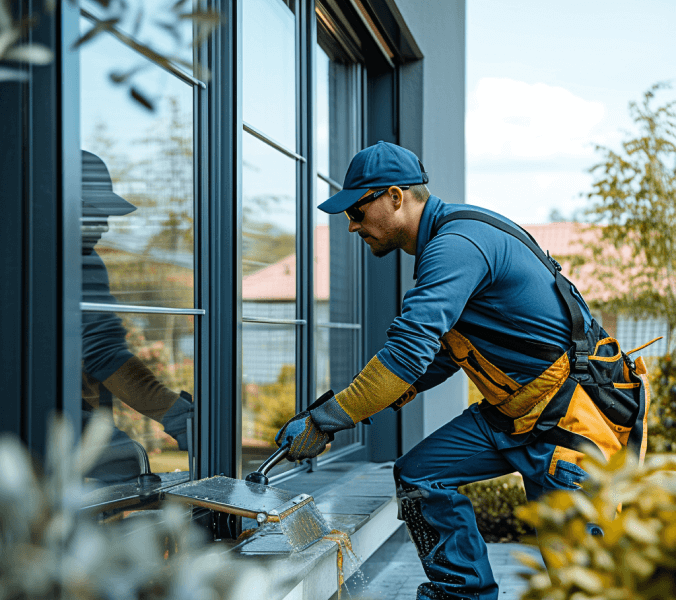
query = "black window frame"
x=42 y=331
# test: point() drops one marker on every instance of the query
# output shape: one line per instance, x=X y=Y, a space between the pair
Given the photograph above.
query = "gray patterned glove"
x=306 y=440
x=176 y=418
x=309 y=431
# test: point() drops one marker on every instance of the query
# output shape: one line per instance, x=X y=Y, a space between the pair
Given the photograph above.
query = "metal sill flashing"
x=359 y=501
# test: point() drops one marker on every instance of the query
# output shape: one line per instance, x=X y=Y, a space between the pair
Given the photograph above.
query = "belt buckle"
x=581 y=361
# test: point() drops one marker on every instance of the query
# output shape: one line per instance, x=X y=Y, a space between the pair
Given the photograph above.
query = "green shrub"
x=494 y=504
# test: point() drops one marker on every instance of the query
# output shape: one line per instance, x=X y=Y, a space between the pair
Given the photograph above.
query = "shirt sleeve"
x=438 y=371
x=104 y=345
x=451 y=270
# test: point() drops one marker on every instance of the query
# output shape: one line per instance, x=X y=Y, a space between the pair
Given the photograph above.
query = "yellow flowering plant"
x=635 y=559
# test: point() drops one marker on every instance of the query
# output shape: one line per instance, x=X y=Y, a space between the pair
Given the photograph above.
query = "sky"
x=547 y=81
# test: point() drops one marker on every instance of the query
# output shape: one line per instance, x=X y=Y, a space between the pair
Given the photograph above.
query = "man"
x=489 y=301
x=109 y=368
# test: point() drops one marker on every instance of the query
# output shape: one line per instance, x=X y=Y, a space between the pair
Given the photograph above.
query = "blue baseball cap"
x=377 y=166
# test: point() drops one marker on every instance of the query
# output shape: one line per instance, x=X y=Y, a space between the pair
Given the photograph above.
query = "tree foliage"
x=634 y=212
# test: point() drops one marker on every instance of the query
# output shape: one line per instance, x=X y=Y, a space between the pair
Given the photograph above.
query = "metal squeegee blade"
x=304 y=525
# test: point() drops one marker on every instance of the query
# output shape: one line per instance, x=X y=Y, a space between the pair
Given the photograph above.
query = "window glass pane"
x=268 y=389
x=269 y=70
x=337 y=256
x=337 y=123
x=336 y=262
x=268 y=231
x=157 y=27
x=322 y=113
x=338 y=352
x=137 y=180
x=138 y=364
x=337 y=349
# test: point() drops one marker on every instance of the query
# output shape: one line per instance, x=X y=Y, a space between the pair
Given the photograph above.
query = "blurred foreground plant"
x=49 y=548
x=635 y=559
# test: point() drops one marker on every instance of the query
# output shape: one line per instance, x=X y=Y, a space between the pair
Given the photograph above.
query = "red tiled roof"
x=278 y=281
x=566 y=239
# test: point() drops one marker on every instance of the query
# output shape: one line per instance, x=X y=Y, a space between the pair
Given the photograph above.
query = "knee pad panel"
x=437 y=574
x=423 y=535
x=429 y=591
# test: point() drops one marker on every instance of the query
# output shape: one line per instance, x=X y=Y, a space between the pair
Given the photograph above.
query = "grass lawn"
x=167 y=462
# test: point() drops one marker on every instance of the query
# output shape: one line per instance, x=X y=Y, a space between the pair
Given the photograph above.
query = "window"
x=269 y=215
x=138 y=259
x=274 y=180
x=141 y=311
x=338 y=336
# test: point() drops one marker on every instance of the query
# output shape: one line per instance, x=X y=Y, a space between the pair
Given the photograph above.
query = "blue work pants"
x=465 y=450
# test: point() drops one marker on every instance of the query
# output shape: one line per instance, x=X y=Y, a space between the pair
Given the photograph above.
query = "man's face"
x=92 y=229
x=379 y=228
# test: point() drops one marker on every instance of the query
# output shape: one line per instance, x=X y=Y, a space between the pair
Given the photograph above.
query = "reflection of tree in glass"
x=263 y=242
x=269 y=406
x=149 y=255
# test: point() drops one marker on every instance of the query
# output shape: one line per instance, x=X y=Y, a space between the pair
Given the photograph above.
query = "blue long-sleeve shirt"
x=471 y=272
x=104 y=347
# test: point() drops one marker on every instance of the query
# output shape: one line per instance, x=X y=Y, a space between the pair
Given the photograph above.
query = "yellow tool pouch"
x=592 y=393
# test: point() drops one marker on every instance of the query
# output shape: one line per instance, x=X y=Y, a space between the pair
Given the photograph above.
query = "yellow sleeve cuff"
x=375 y=388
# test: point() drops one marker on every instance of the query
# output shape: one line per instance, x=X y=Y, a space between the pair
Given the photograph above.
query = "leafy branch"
x=632 y=239
x=15 y=49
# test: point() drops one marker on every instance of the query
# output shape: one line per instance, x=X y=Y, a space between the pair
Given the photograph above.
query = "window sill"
x=355 y=498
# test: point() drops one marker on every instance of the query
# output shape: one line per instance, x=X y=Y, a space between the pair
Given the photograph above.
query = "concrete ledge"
x=361 y=503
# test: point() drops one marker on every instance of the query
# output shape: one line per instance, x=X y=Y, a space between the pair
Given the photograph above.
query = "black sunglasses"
x=356 y=214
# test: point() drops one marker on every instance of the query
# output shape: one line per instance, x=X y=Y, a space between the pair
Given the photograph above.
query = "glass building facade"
x=167 y=244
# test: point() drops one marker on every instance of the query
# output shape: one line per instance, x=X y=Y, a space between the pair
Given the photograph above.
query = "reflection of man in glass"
x=109 y=368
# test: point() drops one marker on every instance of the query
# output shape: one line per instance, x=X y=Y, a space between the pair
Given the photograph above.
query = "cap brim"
x=106 y=204
x=342 y=200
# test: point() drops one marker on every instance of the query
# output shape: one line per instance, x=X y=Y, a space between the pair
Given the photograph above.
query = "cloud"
x=512 y=120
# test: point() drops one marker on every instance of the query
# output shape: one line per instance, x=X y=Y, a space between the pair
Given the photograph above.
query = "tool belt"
x=591 y=394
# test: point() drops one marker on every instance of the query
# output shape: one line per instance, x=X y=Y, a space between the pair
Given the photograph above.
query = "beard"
x=382 y=252
x=383 y=248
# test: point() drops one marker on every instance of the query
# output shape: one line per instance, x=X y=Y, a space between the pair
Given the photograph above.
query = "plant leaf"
x=106 y=25
x=119 y=77
x=204 y=17
x=7 y=40
x=138 y=22
x=171 y=29
x=36 y=54
x=141 y=99
x=178 y=5
x=13 y=75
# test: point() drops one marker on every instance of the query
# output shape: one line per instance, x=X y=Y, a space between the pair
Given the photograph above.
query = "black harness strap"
x=540 y=350
x=580 y=348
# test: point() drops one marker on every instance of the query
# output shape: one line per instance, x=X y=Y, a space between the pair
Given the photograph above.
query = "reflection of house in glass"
x=271 y=294
x=566 y=239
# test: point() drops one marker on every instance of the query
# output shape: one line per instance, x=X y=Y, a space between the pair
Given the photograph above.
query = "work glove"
x=309 y=431
x=305 y=439
x=175 y=420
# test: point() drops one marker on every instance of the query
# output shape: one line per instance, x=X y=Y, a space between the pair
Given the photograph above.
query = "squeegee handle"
x=275 y=458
